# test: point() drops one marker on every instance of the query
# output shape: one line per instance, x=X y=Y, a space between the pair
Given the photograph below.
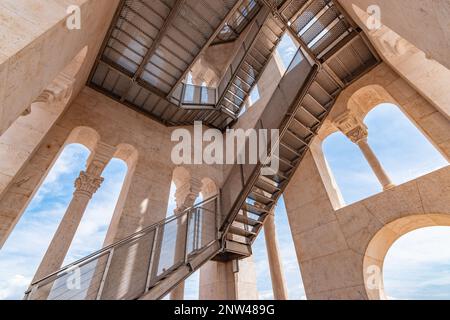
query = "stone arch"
x=359 y=103
x=23 y=186
x=128 y=154
x=382 y=241
x=426 y=75
x=209 y=188
x=85 y=136
x=25 y=134
x=369 y=97
x=180 y=176
x=352 y=107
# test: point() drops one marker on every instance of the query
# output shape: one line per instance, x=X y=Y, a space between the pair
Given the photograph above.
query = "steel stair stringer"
x=182 y=273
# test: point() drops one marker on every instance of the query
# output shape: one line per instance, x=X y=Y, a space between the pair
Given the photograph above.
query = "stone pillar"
x=86 y=185
x=275 y=265
x=232 y=280
x=185 y=197
x=357 y=132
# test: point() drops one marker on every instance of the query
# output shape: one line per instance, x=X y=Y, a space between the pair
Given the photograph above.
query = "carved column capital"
x=353 y=127
x=59 y=90
x=186 y=194
x=87 y=184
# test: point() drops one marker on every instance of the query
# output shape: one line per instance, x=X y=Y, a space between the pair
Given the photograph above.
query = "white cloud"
x=417 y=265
x=26 y=246
x=14 y=288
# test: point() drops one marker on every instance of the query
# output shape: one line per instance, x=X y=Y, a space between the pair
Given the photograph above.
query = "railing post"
x=197 y=222
x=105 y=274
x=151 y=265
x=186 y=250
x=183 y=92
x=218 y=214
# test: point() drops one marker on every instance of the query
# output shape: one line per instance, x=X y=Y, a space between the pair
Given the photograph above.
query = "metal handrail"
x=246 y=188
x=124 y=241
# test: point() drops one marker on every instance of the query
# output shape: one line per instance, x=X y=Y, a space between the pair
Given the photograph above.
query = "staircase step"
x=241 y=232
x=260 y=198
x=239 y=248
x=267 y=185
x=248 y=221
x=290 y=149
x=255 y=210
x=278 y=177
x=286 y=162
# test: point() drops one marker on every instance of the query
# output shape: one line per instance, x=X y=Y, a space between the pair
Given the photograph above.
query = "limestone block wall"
x=146 y=147
x=384 y=85
x=148 y=184
x=332 y=246
x=413 y=39
x=36 y=45
x=337 y=247
x=423 y=23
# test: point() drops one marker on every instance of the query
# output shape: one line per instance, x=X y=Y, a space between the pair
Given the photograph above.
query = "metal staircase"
x=150 y=263
x=344 y=56
x=153 y=44
x=145 y=265
x=252 y=58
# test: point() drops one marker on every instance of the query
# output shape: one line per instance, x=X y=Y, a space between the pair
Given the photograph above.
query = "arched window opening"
x=291 y=266
x=22 y=137
x=351 y=171
x=403 y=150
x=172 y=204
x=91 y=234
x=182 y=190
x=25 y=248
x=417 y=266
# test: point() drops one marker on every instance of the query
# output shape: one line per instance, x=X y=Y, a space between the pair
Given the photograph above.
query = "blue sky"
x=402 y=149
x=417 y=266
x=23 y=251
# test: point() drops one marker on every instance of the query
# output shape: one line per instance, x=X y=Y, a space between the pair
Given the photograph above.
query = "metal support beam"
x=206 y=46
x=288 y=26
x=172 y=15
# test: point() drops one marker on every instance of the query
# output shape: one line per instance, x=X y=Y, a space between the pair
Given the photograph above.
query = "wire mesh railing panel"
x=128 y=272
x=79 y=282
x=199 y=95
x=170 y=246
x=129 y=268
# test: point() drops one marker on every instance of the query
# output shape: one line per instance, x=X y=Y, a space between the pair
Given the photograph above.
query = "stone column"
x=185 y=197
x=357 y=132
x=275 y=265
x=86 y=185
x=231 y=280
